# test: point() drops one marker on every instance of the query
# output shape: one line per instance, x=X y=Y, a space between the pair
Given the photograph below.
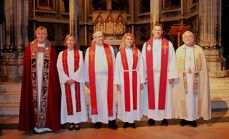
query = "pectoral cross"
x=164 y=46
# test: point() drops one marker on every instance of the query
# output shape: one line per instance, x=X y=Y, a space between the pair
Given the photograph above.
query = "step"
x=220 y=104
x=10 y=86
x=9 y=108
x=7 y=97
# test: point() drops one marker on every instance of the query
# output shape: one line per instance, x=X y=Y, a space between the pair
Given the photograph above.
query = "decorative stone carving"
x=111 y=23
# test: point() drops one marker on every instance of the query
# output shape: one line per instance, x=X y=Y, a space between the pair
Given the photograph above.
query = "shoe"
x=183 y=122
x=112 y=124
x=70 y=127
x=98 y=125
x=125 y=125
x=77 y=126
x=193 y=123
x=164 y=122
x=151 y=122
x=133 y=125
x=35 y=132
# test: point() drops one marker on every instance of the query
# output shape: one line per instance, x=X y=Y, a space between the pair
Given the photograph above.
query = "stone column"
x=8 y=9
x=86 y=5
x=208 y=20
x=132 y=7
x=109 y=4
x=154 y=12
x=207 y=35
x=73 y=17
x=16 y=24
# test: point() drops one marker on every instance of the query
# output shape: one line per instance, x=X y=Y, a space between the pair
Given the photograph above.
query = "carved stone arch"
x=109 y=22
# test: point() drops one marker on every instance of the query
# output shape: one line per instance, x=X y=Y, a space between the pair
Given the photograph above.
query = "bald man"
x=99 y=67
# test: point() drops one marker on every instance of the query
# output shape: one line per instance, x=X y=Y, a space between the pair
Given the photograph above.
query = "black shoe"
x=112 y=124
x=133 y=125
x=77 y=126
x=125 y=125
x=183 y=122
x=0 y=131
x=164 y=122
x=98 y=125
x=193 y=123
x=70 y=127
x=151 y=122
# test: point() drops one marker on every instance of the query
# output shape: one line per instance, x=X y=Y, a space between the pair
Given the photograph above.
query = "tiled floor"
x=216 y=128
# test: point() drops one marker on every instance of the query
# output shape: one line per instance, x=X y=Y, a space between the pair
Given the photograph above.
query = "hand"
x=87 y=84
x=141 y=86
x=118 y=88
x=70 y=82
x=171 y=81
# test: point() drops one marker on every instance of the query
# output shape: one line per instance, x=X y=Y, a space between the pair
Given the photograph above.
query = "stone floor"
x=216 y=128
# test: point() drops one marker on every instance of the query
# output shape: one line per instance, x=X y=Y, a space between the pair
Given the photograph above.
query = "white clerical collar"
x=71 y=49
x=157 y=38
x=189 y=46
x=99 y=45
x=41 y=44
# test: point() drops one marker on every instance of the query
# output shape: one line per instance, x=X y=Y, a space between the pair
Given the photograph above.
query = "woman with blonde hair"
x=129 y=80
x=70 y=69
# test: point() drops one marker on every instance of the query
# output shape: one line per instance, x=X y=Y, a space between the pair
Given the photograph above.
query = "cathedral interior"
x=207 y=19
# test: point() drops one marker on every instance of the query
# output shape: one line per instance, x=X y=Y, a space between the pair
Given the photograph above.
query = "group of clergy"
x=157 y=83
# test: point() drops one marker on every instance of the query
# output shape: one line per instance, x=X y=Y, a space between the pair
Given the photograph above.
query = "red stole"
x=163 y=74
x=94 y=110
x=77 y=84
x=127 y=80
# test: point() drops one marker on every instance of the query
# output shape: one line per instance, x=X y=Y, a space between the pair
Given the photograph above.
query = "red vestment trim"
x=40 y=114
x=127 y=79
x=163 y=74
x=94 y=110
x=77 y=84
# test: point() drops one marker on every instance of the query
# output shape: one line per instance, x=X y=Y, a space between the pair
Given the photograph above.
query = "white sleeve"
x=62 y=76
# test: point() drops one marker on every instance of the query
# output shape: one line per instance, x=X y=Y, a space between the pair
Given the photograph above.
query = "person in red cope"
x=99 y=67
x=129 y=81
x=40 y=91
x=70 y=69
x=160 y=60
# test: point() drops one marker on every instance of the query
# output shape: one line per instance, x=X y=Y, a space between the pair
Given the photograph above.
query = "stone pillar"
x=86 y=5
x=73 y=18
x=8 y=9
x=154 y=12
x=16 y=24
x=207 y=35
x=132 y=7
x=109 y=4
x=208 y=20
